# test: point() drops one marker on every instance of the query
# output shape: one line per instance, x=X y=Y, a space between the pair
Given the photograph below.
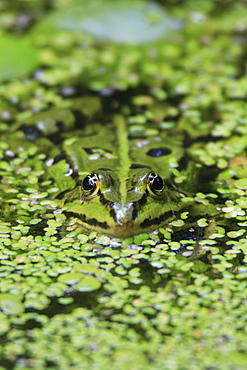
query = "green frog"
x=122 y=180
x=115 y=177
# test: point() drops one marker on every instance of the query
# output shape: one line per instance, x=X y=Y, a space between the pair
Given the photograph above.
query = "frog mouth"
x=150 y=223
x=119 y=231
x=88 y=221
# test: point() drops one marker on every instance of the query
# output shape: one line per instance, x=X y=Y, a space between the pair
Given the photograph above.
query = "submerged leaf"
x=127 y=22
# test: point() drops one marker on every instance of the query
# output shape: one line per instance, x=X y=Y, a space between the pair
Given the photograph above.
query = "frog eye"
x=155 y=184
x=90 y=186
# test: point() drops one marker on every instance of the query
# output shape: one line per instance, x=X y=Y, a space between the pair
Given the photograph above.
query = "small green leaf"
x=86 y=268
x=4 y=323
x=71 y=278
x=88 y=284
x=10 y=304
x=241 y=183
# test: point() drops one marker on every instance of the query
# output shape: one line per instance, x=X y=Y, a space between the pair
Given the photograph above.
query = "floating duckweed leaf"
x=83 y=238
x=167 y=234
x=65 y=300
x=88 y=284
x=233 y=211
x=157 y=264
x=4 y=235
x=138 y=239
x=4 y=323
x=86 y=268
x=103 y=239
x=71 y=278
x=235 y=234
x=202 y=222
x=4 y=229
x=125 y=22
x=120 y=270
x=17 y=57
x=241 y=183
x=10 y=304
x=174 y=246
x=177 y=223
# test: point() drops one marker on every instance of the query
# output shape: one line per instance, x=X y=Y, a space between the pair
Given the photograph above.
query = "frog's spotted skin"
x=123 y=183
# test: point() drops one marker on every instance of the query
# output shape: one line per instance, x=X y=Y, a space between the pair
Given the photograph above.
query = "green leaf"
x=17 y=57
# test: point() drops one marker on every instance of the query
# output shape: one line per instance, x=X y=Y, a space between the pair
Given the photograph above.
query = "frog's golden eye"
x=90 y=186
x=155 y=184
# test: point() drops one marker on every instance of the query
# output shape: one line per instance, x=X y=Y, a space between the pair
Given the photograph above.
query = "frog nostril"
x=134 y=214
x=159 y=152
x=135 y=166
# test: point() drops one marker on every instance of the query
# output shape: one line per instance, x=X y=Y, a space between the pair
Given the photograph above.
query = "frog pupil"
x=88 y=183
x=157 y=183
